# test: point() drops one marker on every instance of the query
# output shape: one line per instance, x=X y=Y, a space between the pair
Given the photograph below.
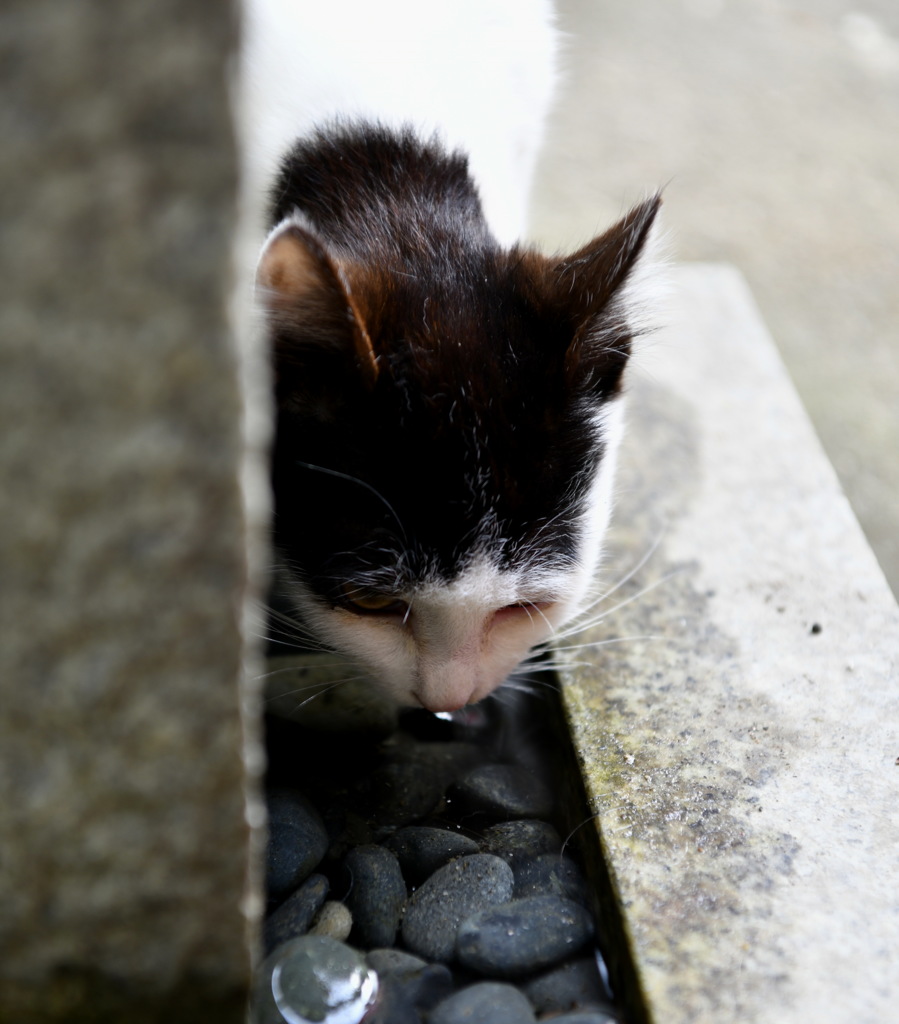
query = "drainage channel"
x=435 y=870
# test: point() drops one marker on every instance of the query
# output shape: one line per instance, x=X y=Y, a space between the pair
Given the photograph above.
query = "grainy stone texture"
x=742 y=761
x=125 y=845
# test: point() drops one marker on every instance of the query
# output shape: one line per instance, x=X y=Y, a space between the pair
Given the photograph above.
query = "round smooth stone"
x=452 y=894
x=297 y=842
x=401 y=793
x=295 y=915
x=587 y=1017
x=377 y=895
x=421 y=850
x=517 y=841
x=393 y=1005
x=488 y=1002
x=334 y=920
x=502 y=791
x=522 y=936
x=313 y=980
x=394 y=961
x=574 y=985
x=424 y=984
x=550 y=875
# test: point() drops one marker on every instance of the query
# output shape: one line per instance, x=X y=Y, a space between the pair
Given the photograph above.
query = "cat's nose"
x=444 y=702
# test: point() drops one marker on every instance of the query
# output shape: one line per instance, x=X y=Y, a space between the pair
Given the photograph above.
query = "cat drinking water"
x=448 y=412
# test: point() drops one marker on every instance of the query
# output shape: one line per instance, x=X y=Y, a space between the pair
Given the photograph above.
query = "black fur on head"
x=436 y=394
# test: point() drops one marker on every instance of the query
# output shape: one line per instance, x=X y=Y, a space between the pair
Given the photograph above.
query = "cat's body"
x=479 y=72
x=448 y=410
x=448 y=413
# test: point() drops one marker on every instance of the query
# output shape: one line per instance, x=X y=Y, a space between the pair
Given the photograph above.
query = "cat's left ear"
x=309 y=302
x=598 y=289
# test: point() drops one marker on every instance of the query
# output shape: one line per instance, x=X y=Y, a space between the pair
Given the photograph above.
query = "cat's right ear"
x=309 y=303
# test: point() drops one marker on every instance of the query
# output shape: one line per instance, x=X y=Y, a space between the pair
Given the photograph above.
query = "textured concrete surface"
x=775 y=128
x=122 y=559
x=741 y=749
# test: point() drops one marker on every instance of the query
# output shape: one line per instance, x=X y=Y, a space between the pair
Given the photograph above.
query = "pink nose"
x=448 y=702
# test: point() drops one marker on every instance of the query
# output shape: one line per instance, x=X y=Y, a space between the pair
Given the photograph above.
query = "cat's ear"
x=598 y=290
x=309 y=303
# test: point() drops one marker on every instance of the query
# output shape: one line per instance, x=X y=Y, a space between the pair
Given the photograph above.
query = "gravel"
x=522 y=936
x=450 y=896
x=435 y=849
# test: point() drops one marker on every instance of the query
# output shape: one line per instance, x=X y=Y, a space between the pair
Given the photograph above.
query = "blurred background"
x=774 y=127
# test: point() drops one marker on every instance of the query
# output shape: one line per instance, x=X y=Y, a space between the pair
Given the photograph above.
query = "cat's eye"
x=370 y=602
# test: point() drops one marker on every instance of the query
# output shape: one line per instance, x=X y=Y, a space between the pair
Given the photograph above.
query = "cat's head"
x=447 y=425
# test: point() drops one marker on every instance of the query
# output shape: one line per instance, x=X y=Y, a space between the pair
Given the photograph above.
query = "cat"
x=448 y=411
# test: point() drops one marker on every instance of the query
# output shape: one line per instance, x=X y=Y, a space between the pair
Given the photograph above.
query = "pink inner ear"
x=288 y=268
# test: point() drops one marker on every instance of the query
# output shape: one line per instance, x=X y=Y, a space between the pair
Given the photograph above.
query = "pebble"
x=394 y=961
x=412 y=812
x=516 y=841
x=425 y=984
x=402 y=793
x=422 y=850
x=488 y=1002
x=449 y=759
x=502 y=791
x=334 y=920
x=450 y=896
x=523 y=936
x=393 y=1005
x=587 y=1017
x=295 y=916
x=574 y=985
x=297 y=842
x=377 y=895
x=313 y=980
x=550 y=875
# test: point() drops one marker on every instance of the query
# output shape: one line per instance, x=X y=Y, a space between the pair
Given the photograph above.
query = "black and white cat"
x=448 y=411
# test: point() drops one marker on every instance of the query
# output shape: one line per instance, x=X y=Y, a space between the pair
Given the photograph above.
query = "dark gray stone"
x=450 y=895
x=425 y=984
x=377 y=895
x=501 y=792
x=402 y=793
x=576 y=984
x=394 y=961
x=393 y=1004
x=422 y=850
x=515 y=841
x=550 y=875
x=522 y=936
x=295 y=915
x=587 y=1017
x=487 y=1002
x=297 y=842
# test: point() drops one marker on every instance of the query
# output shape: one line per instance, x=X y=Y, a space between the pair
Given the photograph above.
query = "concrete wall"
x=736 y=720
x=122 y=533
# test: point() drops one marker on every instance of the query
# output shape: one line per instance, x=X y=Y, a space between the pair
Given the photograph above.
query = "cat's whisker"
x=580 y=621
x=361 y=483
x=578 y=626
x=293 y=668
x=606 y=643
x=653 y=547
x=539 y=611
